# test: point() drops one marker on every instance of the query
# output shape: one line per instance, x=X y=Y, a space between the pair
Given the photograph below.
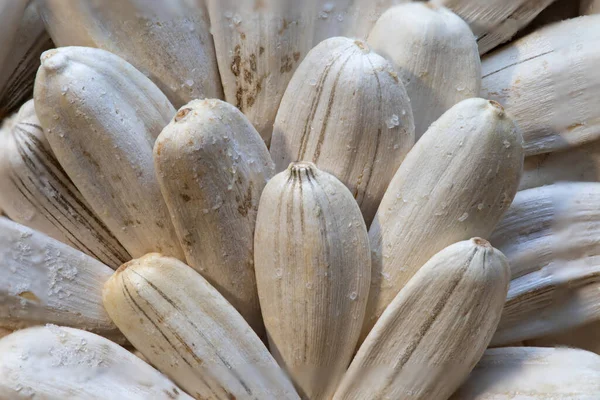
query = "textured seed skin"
x=353 y=119
x=579 y=164
x=533 y=373
x=495 y=21
x=212 y=166
x=535 y=79
x=455 y=183
x=364 y=14
x=589 y=7
x=101 y=117
x=547 y=235
x=433 y=333
x=44 y=281
x=35 y=191
x=435 y=54
x=259 y=46
x=59 y=363
x=17 y=72
x=584 y=337
x=166 y=308
x=169 y=41
x=11 y=13
x=312 y=270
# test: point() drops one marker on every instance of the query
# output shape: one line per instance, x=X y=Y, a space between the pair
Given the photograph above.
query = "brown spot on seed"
x=284 y=26
x=243 y=36
x=91 y=159
x=185 y=197
x=247 y=76
x=286 y=64
x=182 y=113
x=296 y=56
x=253 y=62
x=261 y=50
x=575 y=126
x=237 y=61
x=246 y=203
x=239 y=99
x=29 y=296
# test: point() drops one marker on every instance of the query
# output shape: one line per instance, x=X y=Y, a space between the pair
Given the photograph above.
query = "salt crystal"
x=393 y=122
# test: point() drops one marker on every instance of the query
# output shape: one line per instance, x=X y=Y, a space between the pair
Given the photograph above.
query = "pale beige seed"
x=550 y=301
x=495 y=21
x=17 y=73
x=353 y=119
x=548 y=235
x=435 y=55
x=586 y=337
x=580 y=164
x=59 y=363
x=331 y=18
x=532 y=373
x=101 y=117
x=258 y=49
x=184 y=327
x=212 y=166
x=433 y=333
x=364 y=14
x=589 y=7
x=11 y=13
x=456 y=183
x=312 y=270
x=549 y=225
x=35 y=191
x=169 y=41
x=535 y=78
x=45 y=281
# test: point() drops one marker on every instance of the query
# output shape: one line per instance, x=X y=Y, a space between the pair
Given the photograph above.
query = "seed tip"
x=181 y=114
x=53 y=60
x=481 y=242
x=497 y=106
